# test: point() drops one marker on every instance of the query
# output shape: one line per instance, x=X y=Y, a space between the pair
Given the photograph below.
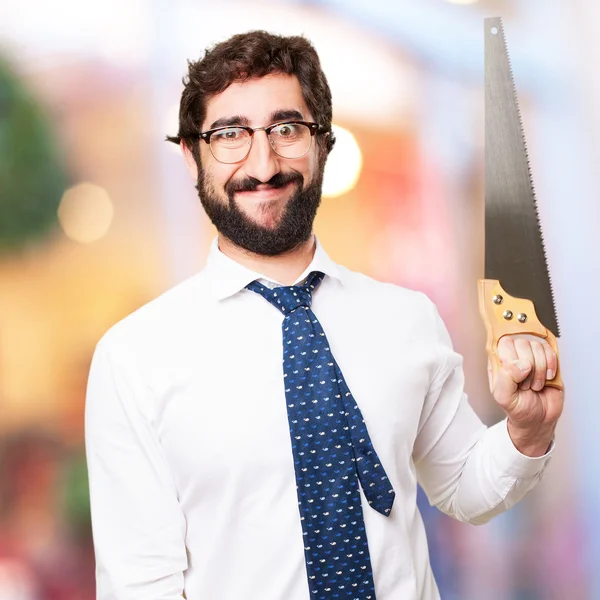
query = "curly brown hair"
x=248 y=56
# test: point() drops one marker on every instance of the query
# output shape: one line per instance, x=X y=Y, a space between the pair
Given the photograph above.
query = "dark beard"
x=293 y=229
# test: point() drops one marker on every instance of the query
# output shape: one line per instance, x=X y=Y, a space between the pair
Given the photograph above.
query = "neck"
x=283 y=268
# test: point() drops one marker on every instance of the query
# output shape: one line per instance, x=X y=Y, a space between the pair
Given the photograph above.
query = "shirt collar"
x=226 y=277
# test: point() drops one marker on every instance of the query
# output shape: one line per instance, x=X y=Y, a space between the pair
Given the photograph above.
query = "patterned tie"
x=332 y=452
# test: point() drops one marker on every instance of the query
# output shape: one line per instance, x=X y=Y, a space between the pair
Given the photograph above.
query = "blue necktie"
x=332 y=452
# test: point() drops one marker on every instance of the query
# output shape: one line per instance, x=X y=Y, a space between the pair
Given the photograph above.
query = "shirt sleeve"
x=469 y=471
x=137 y=522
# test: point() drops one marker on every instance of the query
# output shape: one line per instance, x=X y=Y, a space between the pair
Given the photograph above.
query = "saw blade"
x=514 y=244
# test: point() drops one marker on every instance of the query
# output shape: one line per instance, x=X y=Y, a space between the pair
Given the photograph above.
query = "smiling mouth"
x=265 y=192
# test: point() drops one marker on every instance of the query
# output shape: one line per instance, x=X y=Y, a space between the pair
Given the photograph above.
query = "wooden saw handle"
x=503 y=315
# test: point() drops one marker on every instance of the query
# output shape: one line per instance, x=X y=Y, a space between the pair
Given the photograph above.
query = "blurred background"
x=98 y=216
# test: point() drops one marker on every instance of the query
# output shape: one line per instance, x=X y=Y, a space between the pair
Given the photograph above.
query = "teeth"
x=535 y=204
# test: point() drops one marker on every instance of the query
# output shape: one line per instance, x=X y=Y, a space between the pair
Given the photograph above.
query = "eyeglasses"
x=291 y=139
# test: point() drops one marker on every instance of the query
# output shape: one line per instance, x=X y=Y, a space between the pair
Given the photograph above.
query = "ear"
x=190 y=161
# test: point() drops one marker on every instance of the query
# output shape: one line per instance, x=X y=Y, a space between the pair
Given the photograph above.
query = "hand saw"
x=516 y=271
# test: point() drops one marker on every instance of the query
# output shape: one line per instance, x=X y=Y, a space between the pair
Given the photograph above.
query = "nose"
x=262 y=162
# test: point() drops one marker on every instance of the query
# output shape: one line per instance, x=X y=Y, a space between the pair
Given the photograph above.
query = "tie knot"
x=288 y=298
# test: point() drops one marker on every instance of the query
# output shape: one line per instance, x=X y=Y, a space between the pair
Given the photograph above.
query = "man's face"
x=264 y=203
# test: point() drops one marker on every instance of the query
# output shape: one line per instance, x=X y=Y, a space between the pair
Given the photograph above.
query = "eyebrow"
x=283 y=115
x=227 y=121
x=278 y=115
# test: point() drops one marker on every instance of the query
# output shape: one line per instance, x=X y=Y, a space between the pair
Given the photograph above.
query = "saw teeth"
x=535 y=204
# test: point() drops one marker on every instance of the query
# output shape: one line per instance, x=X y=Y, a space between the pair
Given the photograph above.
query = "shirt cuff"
x=510 y=460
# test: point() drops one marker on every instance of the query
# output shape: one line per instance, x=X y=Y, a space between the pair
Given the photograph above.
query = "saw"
x=516 y=295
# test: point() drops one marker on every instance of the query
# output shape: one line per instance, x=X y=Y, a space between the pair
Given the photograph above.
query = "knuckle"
x=521 y=343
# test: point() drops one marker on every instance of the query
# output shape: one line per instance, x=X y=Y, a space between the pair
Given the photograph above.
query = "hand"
x=532 y=407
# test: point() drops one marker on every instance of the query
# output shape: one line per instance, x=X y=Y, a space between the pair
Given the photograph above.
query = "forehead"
x=257 y=100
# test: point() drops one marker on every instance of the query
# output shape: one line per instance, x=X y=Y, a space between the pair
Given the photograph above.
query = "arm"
x=138 y=525
x=468 y=471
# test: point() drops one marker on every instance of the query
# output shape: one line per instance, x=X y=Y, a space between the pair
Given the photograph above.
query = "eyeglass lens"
x=288 y=140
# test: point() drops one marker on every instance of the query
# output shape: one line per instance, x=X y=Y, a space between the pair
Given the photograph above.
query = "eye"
x=232 y=134
x=286 y=130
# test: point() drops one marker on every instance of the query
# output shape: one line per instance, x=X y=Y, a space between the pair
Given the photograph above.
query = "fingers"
x=551 y=361
x=507 y=383
x=535 y=351
x=506 y=348
x=540 y=370
x=524 y=350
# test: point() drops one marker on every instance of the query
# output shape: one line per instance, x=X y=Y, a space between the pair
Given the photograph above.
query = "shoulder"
x=385 y=294
x=155 y=322
x=408 y=314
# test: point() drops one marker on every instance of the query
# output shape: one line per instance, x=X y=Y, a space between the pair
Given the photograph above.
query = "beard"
x=293 y=228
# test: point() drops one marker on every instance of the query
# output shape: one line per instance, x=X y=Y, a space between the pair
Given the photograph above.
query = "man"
x=258 y=431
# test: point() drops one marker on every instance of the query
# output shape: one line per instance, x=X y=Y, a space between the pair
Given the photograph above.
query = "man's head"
x=261 y=189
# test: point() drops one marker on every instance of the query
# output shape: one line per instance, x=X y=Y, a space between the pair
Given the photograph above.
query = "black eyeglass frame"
x=313 y=128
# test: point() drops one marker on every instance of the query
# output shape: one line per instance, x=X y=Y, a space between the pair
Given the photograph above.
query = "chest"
x=221 y=410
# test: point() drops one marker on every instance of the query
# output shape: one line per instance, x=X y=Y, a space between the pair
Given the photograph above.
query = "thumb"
x=511 y=374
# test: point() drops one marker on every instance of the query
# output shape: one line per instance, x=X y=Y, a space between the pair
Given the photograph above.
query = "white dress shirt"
x=192 y=482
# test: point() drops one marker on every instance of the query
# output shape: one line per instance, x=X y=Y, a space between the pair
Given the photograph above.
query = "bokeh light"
x=343 y=165
x=85 y=213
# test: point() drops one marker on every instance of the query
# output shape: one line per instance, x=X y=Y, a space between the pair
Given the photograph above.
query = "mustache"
x=249 y=184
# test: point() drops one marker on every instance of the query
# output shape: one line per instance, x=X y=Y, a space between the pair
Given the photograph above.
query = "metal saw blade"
x=514 y=245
